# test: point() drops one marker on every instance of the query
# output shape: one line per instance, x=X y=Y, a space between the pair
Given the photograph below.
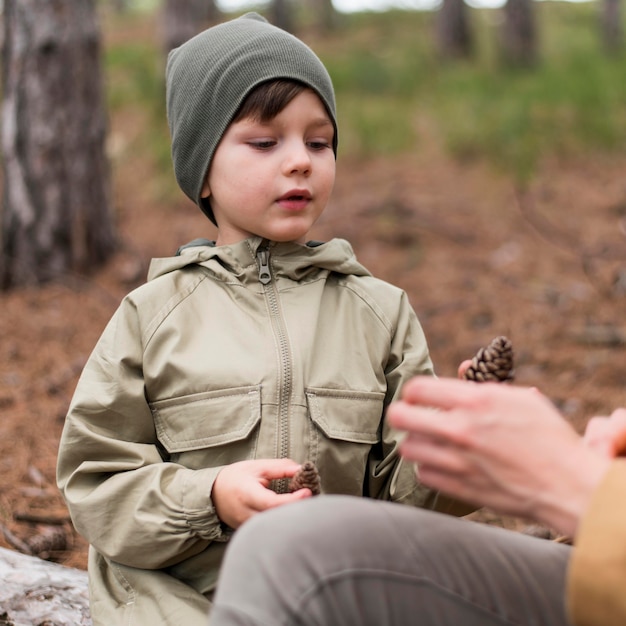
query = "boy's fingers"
x=278 y=468
x=264 y=499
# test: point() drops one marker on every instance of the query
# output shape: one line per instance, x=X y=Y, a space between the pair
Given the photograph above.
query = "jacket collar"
x=292 y=260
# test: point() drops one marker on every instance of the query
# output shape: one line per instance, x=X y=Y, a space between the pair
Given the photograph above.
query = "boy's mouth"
x=295 y=195
x=295 y=200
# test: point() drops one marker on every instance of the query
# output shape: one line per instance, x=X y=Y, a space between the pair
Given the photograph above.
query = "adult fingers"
x=428 y=422
x=607 y=435
x=446 y=393
x=619 y=415
x=463 y=367
x=435 y=454
x=596 y=428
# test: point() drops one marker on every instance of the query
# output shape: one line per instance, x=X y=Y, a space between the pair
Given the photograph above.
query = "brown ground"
x=546 y=268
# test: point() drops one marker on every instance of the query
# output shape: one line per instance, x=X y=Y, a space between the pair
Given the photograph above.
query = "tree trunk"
x=178 y=23
x=120 y=6
x=453 y=32
x=612 y=31
x=519 y=37
x=325 y=15
x=211 y=11
x=282 y=15
x=182 y=19
x=56 y=214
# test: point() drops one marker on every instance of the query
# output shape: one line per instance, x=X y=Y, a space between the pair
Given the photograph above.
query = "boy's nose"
x=298 y=161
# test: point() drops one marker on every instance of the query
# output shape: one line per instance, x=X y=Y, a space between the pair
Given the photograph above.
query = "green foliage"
x=136 y=70
x=574 y=100
x=135 y=83
x=387 y=77
x=380 y=64
x=390 y=85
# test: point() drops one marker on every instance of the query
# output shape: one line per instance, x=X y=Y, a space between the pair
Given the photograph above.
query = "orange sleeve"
x=596 y=586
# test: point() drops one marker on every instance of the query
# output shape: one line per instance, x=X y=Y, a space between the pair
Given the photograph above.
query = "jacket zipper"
x=263 y=257
x=285 y=374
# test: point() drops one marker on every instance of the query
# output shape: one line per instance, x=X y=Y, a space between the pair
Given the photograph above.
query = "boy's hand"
x=242 y=489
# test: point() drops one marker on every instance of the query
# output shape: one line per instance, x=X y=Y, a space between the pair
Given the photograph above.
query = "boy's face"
x=273 y=179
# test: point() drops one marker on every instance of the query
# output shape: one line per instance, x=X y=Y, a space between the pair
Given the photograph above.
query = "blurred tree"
x=612 y=31
x=453 y=33
x=211 y=11
x=287 y=14
x=56 y=212
x=519 y=33
x=182 y=19
x=325 y=15
x=121 y=6
x=281 y=15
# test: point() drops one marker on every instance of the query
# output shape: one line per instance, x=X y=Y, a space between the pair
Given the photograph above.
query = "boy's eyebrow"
x=322 y=121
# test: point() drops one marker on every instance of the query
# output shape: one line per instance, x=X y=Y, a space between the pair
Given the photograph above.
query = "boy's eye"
x=318 y=144
x=263 y=144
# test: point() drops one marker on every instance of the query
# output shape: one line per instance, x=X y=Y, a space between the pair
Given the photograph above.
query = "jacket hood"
x=293 y=260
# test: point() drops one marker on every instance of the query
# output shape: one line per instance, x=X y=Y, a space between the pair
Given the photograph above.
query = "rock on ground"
x=34 y=592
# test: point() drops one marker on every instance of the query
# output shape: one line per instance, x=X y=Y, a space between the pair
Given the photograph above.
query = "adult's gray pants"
x=337 y=560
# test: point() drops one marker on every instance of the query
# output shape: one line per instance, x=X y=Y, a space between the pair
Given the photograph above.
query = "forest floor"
x=479 y=258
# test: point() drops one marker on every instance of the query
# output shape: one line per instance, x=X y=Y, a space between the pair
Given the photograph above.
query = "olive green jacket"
x=255 y=350
x=597 y=573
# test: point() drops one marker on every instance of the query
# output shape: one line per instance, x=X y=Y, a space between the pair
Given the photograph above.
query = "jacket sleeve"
x=595 y=588
x=392 y=478
x=126 y=501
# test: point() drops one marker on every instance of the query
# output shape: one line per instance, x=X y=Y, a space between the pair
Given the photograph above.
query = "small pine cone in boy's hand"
x=493 y=363
x=307 y=476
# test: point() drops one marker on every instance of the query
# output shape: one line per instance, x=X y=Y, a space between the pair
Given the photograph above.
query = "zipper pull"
x=263 y=257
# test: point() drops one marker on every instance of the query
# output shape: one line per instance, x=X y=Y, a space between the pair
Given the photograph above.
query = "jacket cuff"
x=598 y=564
x=198 y=506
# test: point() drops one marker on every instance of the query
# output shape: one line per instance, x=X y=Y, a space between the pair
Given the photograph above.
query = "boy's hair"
x=209 y=77
x=267 y=100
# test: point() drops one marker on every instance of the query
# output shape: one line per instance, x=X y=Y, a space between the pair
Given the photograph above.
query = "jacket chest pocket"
x=209 y=429
x=345 y=425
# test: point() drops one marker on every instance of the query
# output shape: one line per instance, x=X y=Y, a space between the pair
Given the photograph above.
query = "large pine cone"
x=493 y=363
x=306 y=476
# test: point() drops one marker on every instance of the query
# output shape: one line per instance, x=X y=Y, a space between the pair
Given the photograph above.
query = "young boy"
x=239 y=359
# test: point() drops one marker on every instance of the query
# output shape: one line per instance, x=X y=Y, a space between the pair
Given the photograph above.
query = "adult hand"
x=498 y=446
x=463 y=367
x=242 y=489
x=607 y=435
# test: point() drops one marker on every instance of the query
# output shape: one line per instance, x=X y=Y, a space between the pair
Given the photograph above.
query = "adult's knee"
x=286 y=525
x=273 y=551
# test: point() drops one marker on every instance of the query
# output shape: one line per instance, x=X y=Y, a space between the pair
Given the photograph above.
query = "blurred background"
x=482 y=153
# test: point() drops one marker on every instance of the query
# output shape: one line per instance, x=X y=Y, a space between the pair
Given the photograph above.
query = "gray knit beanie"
x=209 y=77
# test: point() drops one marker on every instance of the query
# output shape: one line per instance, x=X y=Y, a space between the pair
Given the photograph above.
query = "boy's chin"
x=296 y=238
x=293 y=235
